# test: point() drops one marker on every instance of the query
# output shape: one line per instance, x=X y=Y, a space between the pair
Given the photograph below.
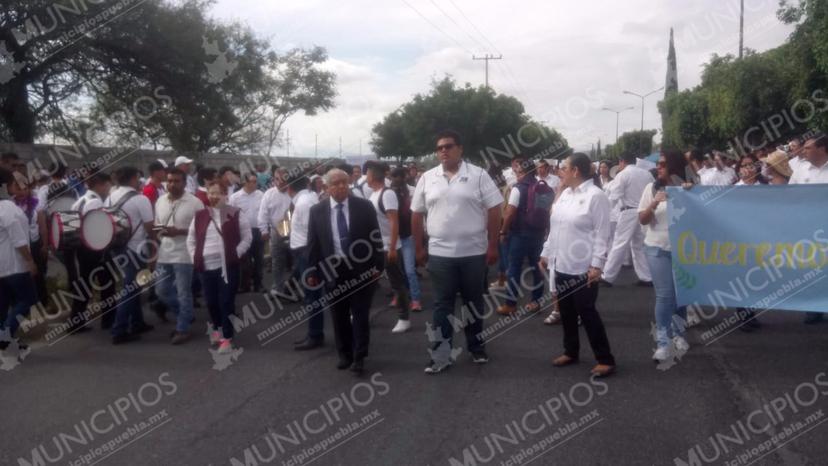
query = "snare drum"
x=64 y=230
x=99 y=227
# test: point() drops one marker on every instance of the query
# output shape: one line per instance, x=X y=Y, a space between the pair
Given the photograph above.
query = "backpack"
x=539 y=199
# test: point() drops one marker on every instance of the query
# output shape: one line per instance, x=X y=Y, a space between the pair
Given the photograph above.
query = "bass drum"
x=99 y=227
x=64 y=230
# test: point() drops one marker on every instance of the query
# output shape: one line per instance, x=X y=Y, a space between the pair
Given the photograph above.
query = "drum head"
x=55 y=231
x=61 y=204
x=97 y=230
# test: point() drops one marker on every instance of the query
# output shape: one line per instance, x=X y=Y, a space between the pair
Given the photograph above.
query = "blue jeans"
x=464 y=275
x=20 y=290
x=175 y=290
x=316 y=319
x=129 y=313
x=524 y=246
x=670 y=319
x=221 y=298
x=410 y=263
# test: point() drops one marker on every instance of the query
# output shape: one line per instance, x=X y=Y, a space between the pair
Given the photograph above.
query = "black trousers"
x=352 y=338
x=253 y=263
x=576 y=299
x=42 y=263
x=86 y=261
x=109 y=284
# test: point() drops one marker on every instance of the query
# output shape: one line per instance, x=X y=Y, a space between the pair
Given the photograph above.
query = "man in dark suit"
x=345 y=254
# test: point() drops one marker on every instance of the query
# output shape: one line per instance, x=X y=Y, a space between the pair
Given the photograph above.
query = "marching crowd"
x=573 y=224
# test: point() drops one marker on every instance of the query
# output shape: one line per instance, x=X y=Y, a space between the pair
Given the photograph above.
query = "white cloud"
x=565 y=60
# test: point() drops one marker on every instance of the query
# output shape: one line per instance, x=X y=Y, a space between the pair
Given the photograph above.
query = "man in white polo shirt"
x=813 y=171
x=273 y=211
x=464 y=209
x=129 y=318
x=174 y=211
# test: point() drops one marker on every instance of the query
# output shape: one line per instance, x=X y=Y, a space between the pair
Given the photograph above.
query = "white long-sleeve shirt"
x=249 y=204
x=274 y=206
x=579 y=230
x=627 y=187
x=299 y=223
x=214 y=245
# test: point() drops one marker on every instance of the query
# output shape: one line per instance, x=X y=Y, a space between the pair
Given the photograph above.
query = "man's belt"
x=627 y=208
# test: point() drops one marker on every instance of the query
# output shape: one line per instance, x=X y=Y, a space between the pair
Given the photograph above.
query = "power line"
x=457 y=24
x=487 y=57
x=508 y=70
x=438 y=28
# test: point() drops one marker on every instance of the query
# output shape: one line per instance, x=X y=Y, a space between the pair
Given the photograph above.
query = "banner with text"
x=760 y=247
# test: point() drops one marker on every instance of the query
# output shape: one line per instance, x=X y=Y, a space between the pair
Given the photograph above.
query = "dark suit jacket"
x=364 y=235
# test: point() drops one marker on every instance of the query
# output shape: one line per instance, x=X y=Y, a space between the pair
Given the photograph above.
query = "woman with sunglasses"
x=750 y=171
x=652 y=214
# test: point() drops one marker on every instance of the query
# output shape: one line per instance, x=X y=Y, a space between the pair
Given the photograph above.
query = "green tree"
x=494 y=126
x=638 y=142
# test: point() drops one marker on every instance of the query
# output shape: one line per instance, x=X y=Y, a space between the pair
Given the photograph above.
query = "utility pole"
x=617 y=118
x=642 y=97
x=487 y=57
x=742 y=30
x=316 y=146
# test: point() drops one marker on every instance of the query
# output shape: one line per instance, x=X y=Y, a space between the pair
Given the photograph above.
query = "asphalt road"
x=83 y=401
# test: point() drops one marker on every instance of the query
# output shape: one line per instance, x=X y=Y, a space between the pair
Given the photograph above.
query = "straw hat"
x=779 y=161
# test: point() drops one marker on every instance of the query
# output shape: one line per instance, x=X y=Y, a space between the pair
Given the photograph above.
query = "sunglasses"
x=446 y=147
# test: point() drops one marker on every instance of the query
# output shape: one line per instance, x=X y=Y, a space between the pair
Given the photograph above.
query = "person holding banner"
x=815 y=171
x=576 y=250
x=670 y=319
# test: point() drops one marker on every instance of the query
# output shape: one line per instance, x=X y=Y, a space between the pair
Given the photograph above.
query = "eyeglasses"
x=445 y=147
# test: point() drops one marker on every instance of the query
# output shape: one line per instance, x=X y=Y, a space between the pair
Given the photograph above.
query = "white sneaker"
x=693 y=318
x=402 y=326
x=662 y=354
x=681 y=344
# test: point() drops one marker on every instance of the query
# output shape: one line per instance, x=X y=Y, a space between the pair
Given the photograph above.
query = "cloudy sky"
x=564 y=59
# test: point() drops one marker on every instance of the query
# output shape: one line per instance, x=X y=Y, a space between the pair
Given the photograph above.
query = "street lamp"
x=642 y=97
x=617 y=118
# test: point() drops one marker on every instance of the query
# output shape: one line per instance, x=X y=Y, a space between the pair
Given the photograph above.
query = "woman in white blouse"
x=218 y=237
x=576 y=250
x=652 y=213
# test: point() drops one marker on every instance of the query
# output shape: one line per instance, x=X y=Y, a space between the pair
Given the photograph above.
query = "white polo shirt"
x=457 y=209
x=389 y=202
x=808 y=173
x=139 y=211
x=13 y=235
x=178 y=214
x=300 y=221
x=249 y=204
x=579 y=230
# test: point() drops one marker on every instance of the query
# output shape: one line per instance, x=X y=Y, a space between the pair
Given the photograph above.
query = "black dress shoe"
x=308 y=345
x=644 y=283
x=125 y=338
x=358 y=367
x=344 y=364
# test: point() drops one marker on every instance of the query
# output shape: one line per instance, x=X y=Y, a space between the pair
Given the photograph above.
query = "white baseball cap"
x=181 y=160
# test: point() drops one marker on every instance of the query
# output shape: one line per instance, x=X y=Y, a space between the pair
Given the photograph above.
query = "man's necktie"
x=342 y=227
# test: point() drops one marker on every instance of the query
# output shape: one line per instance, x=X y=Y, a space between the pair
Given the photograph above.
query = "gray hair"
x=334 y=172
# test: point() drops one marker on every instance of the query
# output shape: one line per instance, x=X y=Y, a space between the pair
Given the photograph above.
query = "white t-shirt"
x=139 y=211
x=89 y=201
x=13 y=234
x=656 y=233
x=389 y=202
x=178 y=214
x=715 y=177
x=249 y=203
x=552 y=180
x=514 y=197
x=457 y=209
